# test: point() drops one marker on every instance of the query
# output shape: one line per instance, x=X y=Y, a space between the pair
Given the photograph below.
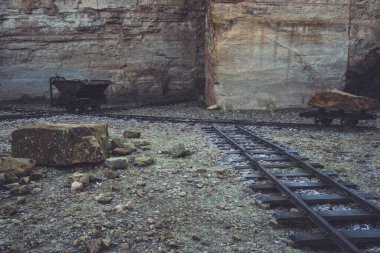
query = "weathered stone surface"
x=117 y=163
x=14 y=168
x=122 y=151
x=149 y=48
x=76 y=186
x=334 y=99
x=260 y=53
x=141 y=143
x=179 y=151
x=143 y=161
x=131 y=134
x=81 y=178
x=61 y=144
x=116 y=143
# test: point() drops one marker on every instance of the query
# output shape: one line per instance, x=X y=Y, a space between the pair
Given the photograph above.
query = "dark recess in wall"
x=363 y=77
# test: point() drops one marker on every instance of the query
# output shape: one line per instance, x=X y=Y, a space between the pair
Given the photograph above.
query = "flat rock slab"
x=335 y=99
x=117 y=163
x=62 y=144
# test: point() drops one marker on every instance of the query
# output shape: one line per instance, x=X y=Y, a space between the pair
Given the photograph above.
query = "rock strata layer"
x=61 y=144
x=148 y=48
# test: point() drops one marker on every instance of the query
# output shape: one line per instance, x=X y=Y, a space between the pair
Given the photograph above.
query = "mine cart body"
x=334 y=104
x=347 y=118
x=78 y=94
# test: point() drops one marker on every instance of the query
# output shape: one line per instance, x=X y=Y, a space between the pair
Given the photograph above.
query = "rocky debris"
x=335 y=99
x=15 y=168
x=213 y=107
x=179 y=150
x=103 y=199
x=131 y=134
x=76 y=186
x=36 y=175
x=122 y=151
x=20 y=200
x=116 y=163
x=82 y=178
x=7 y=210
x=116 y=143
x=144 y=161
x=62 y=144
x=2 y=179
x=124 y=246
x=94 y=246
x=141 y=143
x=111 y=174
x=23 y=189
x=11 y=186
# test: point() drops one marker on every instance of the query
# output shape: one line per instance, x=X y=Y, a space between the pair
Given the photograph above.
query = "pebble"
x=143 y=161
x=116 y=143
x=24 y=189
x=195 y=238
x=8 y=209
x=122 y=152
x=103 y=199
x=141 y=143
x=20 y=200
x=110 y=174
x=131 y=134
x=76 y=187
x=116 y=163
x=81 y=178
x=182 y=194
x=124 y=246
x=150 y=221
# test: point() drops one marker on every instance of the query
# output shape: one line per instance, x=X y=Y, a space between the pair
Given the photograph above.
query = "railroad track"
x=345 y=217
x=19 y=114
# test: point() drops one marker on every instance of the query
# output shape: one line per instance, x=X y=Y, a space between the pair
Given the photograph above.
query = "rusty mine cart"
x=333 y=104
x=81 y=95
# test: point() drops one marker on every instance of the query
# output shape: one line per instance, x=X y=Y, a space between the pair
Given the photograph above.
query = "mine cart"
x=78 y=94
x=334 y=104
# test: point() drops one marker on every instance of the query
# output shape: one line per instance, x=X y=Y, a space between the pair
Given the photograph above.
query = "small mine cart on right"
x=334 y=104
x=80 y=95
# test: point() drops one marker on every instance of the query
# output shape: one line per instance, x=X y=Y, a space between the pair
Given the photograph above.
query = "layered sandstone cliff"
x=148 y=48
x=276 y=53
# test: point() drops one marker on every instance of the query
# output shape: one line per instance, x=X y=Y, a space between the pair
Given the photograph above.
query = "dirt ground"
x=192 y=204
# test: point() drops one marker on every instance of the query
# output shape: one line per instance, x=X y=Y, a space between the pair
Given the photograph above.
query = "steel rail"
x=322 y=176
x=344 y=243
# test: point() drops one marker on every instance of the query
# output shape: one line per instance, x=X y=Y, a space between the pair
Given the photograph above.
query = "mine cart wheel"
x=323 y=121
x=349 y=122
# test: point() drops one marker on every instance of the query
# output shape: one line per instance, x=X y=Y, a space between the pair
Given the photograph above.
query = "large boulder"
x=62 y=144
x=335 y=99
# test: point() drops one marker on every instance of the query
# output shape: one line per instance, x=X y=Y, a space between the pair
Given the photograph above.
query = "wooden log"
x=335 y=99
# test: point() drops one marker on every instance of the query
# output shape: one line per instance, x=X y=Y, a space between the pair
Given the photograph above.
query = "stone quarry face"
x=61 y=144
x=148 y=49
x=264 y=53
x=252 y=54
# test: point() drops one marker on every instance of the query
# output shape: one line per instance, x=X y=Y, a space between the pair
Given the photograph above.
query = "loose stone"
x=76 y=186
x=143 y=161
x=131 y=134
x=116 y=163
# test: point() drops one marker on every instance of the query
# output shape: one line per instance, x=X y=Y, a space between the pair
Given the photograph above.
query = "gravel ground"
x=192 y=204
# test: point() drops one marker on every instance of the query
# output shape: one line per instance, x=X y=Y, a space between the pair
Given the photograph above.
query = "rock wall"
x=149 y=48
x=276 y=53
x=363 y=74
